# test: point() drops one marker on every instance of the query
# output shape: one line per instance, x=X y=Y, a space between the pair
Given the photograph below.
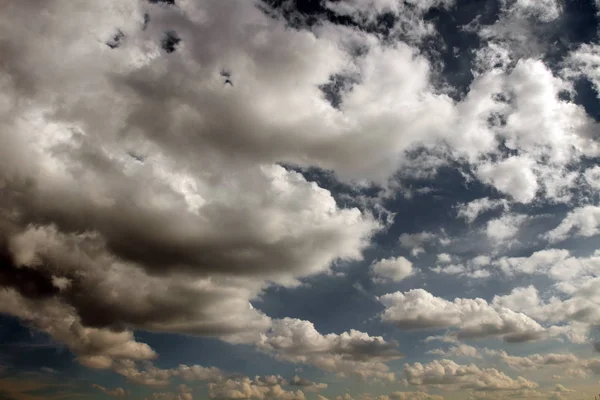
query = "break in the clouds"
x=272 y=199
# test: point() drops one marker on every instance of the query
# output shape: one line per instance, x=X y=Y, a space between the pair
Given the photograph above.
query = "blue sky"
x=290 y=200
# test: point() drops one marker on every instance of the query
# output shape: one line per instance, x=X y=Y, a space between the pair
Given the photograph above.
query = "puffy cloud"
x=352 y=353
x=403 y=396
x=416 y=241
x=474 y=318
x=513 y=176
x=460 y=350
x=444 y=258
x=582 y=221
x=170 y=396
x=116 y=392
x=307 y=385
x=414 y=396
x=573 y=314
x=245 y=388
x=583 y=62
x=558 y=264
x=505 y=227
x=447 y=372
x=151 y=375
x=560 y=392
x=141 y=193
x=392 y=269
x=536 y=361
x=96 y=347
x=470 y=211
x=545 y=10
x=592 y=177
x=474 y=268
x=410 y=24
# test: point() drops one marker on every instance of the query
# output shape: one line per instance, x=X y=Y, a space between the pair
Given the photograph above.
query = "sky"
x=299 y=199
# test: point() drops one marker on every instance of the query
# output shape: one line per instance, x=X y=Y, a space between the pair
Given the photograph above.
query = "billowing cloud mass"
x=474 y=318
x=312 y=185
x=447 y=372
x=354 y=352
x=394 y=269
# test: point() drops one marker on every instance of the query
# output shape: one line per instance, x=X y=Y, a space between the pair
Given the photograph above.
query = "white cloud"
x=460 y=350
x=504 y=228
x=513 y=176
x=116 y=392
x=448 y=373
x=545 y=10
x=182 y=237
x=416 y=241
x=536 y=361
x=392 y=269
x=474 y=318
x=470 y=211
x=245 y=388
x=350 y=353
x=592 y=177
x=444 y=258
x=473 y=268
x=582 y=221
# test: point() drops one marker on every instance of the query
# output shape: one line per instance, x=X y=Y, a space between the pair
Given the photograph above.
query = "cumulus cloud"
x=350 y=353
x=141 y=192
x=245 y=388
x=582 y=221
x=307 y=385
x=116 y=392
x=402 y=396
x=460 y=350
x=470 y=211
x=474 y=318
x=504 y=228
x=475 y=268
x=448 y=373
x=415 y=242
x=391 y=269
x=579 y=308
x=535 y=361
x=513 y=176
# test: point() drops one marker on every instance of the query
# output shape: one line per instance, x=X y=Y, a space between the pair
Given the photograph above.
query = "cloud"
x=149 y=375
x=474 y=318
x=448 y=373
x=350 y=353
x=557 y=264
x=245 y=388
x=472 y=210
x=582 y=221
x=391 y=269
x=474 y=268
x=504 y=228
x=307 y=385
x=170 y=396
x=416 y=241
x=139 y=192
x=544 y=10
x=116 y=392
x=513 y=176
x=536 y=361
x=460 y=350
x=574 y=313
x=444 y=258
x=402 y=396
